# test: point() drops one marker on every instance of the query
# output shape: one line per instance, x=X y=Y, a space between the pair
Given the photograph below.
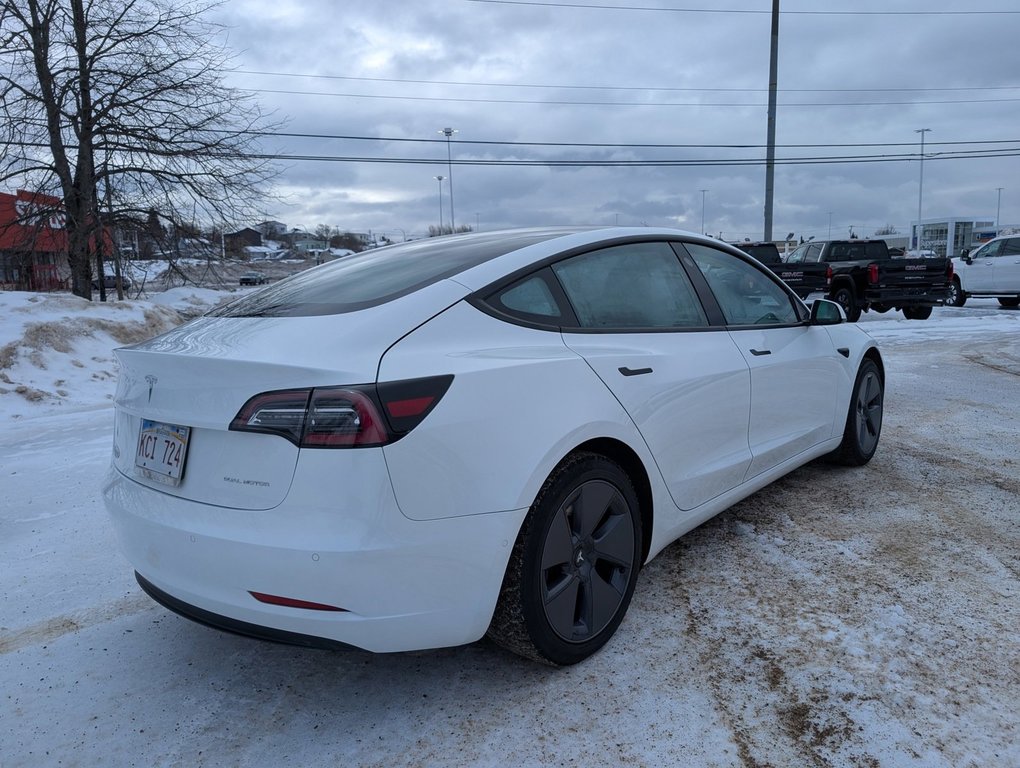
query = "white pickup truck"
x=991 y=270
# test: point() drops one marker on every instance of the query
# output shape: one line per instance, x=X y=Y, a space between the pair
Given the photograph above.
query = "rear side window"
x=632 y=286
x=1011 y=247
x=530 y=296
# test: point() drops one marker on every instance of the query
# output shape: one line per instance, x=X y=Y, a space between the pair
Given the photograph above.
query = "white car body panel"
x=700 y=450
x=793 y=382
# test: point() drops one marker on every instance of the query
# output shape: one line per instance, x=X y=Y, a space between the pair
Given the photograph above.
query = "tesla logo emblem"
x=152 y=382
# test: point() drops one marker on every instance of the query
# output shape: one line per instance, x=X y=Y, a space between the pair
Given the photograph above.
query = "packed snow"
x=864 y=617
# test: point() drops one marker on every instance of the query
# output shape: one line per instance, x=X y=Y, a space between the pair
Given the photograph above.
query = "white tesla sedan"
x=420 y=444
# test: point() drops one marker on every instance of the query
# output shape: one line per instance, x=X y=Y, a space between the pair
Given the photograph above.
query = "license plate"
x=162 y=450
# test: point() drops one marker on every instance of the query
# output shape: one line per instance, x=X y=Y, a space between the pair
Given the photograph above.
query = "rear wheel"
x=1009 y=301
x=956 y=295
x=917 y=313
x=864 y=418
x=844 y=296
x=574 y=565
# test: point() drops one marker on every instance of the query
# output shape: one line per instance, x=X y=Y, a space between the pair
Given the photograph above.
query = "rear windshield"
x=851 y=251
x=766 y=253
x=374 y=277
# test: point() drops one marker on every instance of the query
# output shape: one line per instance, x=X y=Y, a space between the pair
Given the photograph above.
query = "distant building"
x=271 y=229
x=951 y=236
x=235 y=242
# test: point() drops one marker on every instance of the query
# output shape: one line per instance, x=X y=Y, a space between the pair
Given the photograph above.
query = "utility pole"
x=920 y=187
x=703 y=191
x=998 y=207
x=770 y=152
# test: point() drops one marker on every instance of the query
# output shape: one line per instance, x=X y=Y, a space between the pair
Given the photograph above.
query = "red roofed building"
x=33 y=242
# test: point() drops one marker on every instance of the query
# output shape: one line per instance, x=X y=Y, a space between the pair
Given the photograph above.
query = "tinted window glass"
x=989 y=250
x=530 y=296
x=1011 y=248
x=814 y=252
x=746 y=295
x=639 y=285
x=375 y=277
x=797 y=256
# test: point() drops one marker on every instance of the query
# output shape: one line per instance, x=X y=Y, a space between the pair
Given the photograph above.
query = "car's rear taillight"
x=360 y=416
x=949 y=271
x=828 y=275
x=873 y=274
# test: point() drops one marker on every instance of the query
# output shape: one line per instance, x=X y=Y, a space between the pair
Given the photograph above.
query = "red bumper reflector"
x=290 y=602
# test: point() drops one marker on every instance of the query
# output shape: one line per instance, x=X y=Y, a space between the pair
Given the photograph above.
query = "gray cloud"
x=821 y=59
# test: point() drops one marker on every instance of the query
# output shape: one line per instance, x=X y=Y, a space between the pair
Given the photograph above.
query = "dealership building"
x=951 y=236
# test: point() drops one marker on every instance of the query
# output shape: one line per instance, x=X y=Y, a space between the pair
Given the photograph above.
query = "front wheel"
x=844 y=296
x=864 y=418
x=917 y=313
x=1010 y=301
x=574 y=565
x=957 y=297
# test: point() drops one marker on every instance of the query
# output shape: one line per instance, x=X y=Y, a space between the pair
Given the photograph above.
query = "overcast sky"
x=851 y=72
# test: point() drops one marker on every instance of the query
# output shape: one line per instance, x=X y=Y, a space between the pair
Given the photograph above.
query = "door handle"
x=634 y=371
x=760 y=352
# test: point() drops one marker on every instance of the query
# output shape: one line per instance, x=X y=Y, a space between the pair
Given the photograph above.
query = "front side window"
x=990 y=250
x=746 y=295
x=633 y=286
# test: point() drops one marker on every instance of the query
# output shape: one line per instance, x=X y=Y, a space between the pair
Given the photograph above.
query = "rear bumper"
x=399 y=584
x=905 y=297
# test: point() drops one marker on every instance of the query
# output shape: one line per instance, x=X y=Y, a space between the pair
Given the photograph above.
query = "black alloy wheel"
x=864 y=418
x=574 y=566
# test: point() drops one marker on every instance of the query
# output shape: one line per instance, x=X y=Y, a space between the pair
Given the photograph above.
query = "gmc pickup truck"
x=863 y=276
x=804 y=278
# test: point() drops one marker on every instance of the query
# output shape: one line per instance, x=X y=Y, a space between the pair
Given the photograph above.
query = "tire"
x=917 y=313
x=1010 y=301
x=844 y=296
x=864 y=418
x=881 y=308
x=957 y=297
x=574 y=565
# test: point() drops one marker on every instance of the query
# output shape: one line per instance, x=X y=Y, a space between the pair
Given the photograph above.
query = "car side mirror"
x=825 y=312
x=967 y=259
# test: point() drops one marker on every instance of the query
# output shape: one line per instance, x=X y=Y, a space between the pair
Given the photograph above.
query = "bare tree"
x=125 y=99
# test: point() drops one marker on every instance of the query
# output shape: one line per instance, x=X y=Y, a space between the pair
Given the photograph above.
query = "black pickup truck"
x=863 y=276
x=804 y=277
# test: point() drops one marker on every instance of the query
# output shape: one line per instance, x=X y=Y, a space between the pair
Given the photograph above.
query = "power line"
x=738 y=11
x=645 y=88
x=617 y=145
x=557 y=102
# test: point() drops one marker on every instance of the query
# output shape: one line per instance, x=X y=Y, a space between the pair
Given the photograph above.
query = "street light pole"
x=998 y=207
x=830 y=225
x=448 y=133
x=920 y=186
x=440 y=180
x=703 y=191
